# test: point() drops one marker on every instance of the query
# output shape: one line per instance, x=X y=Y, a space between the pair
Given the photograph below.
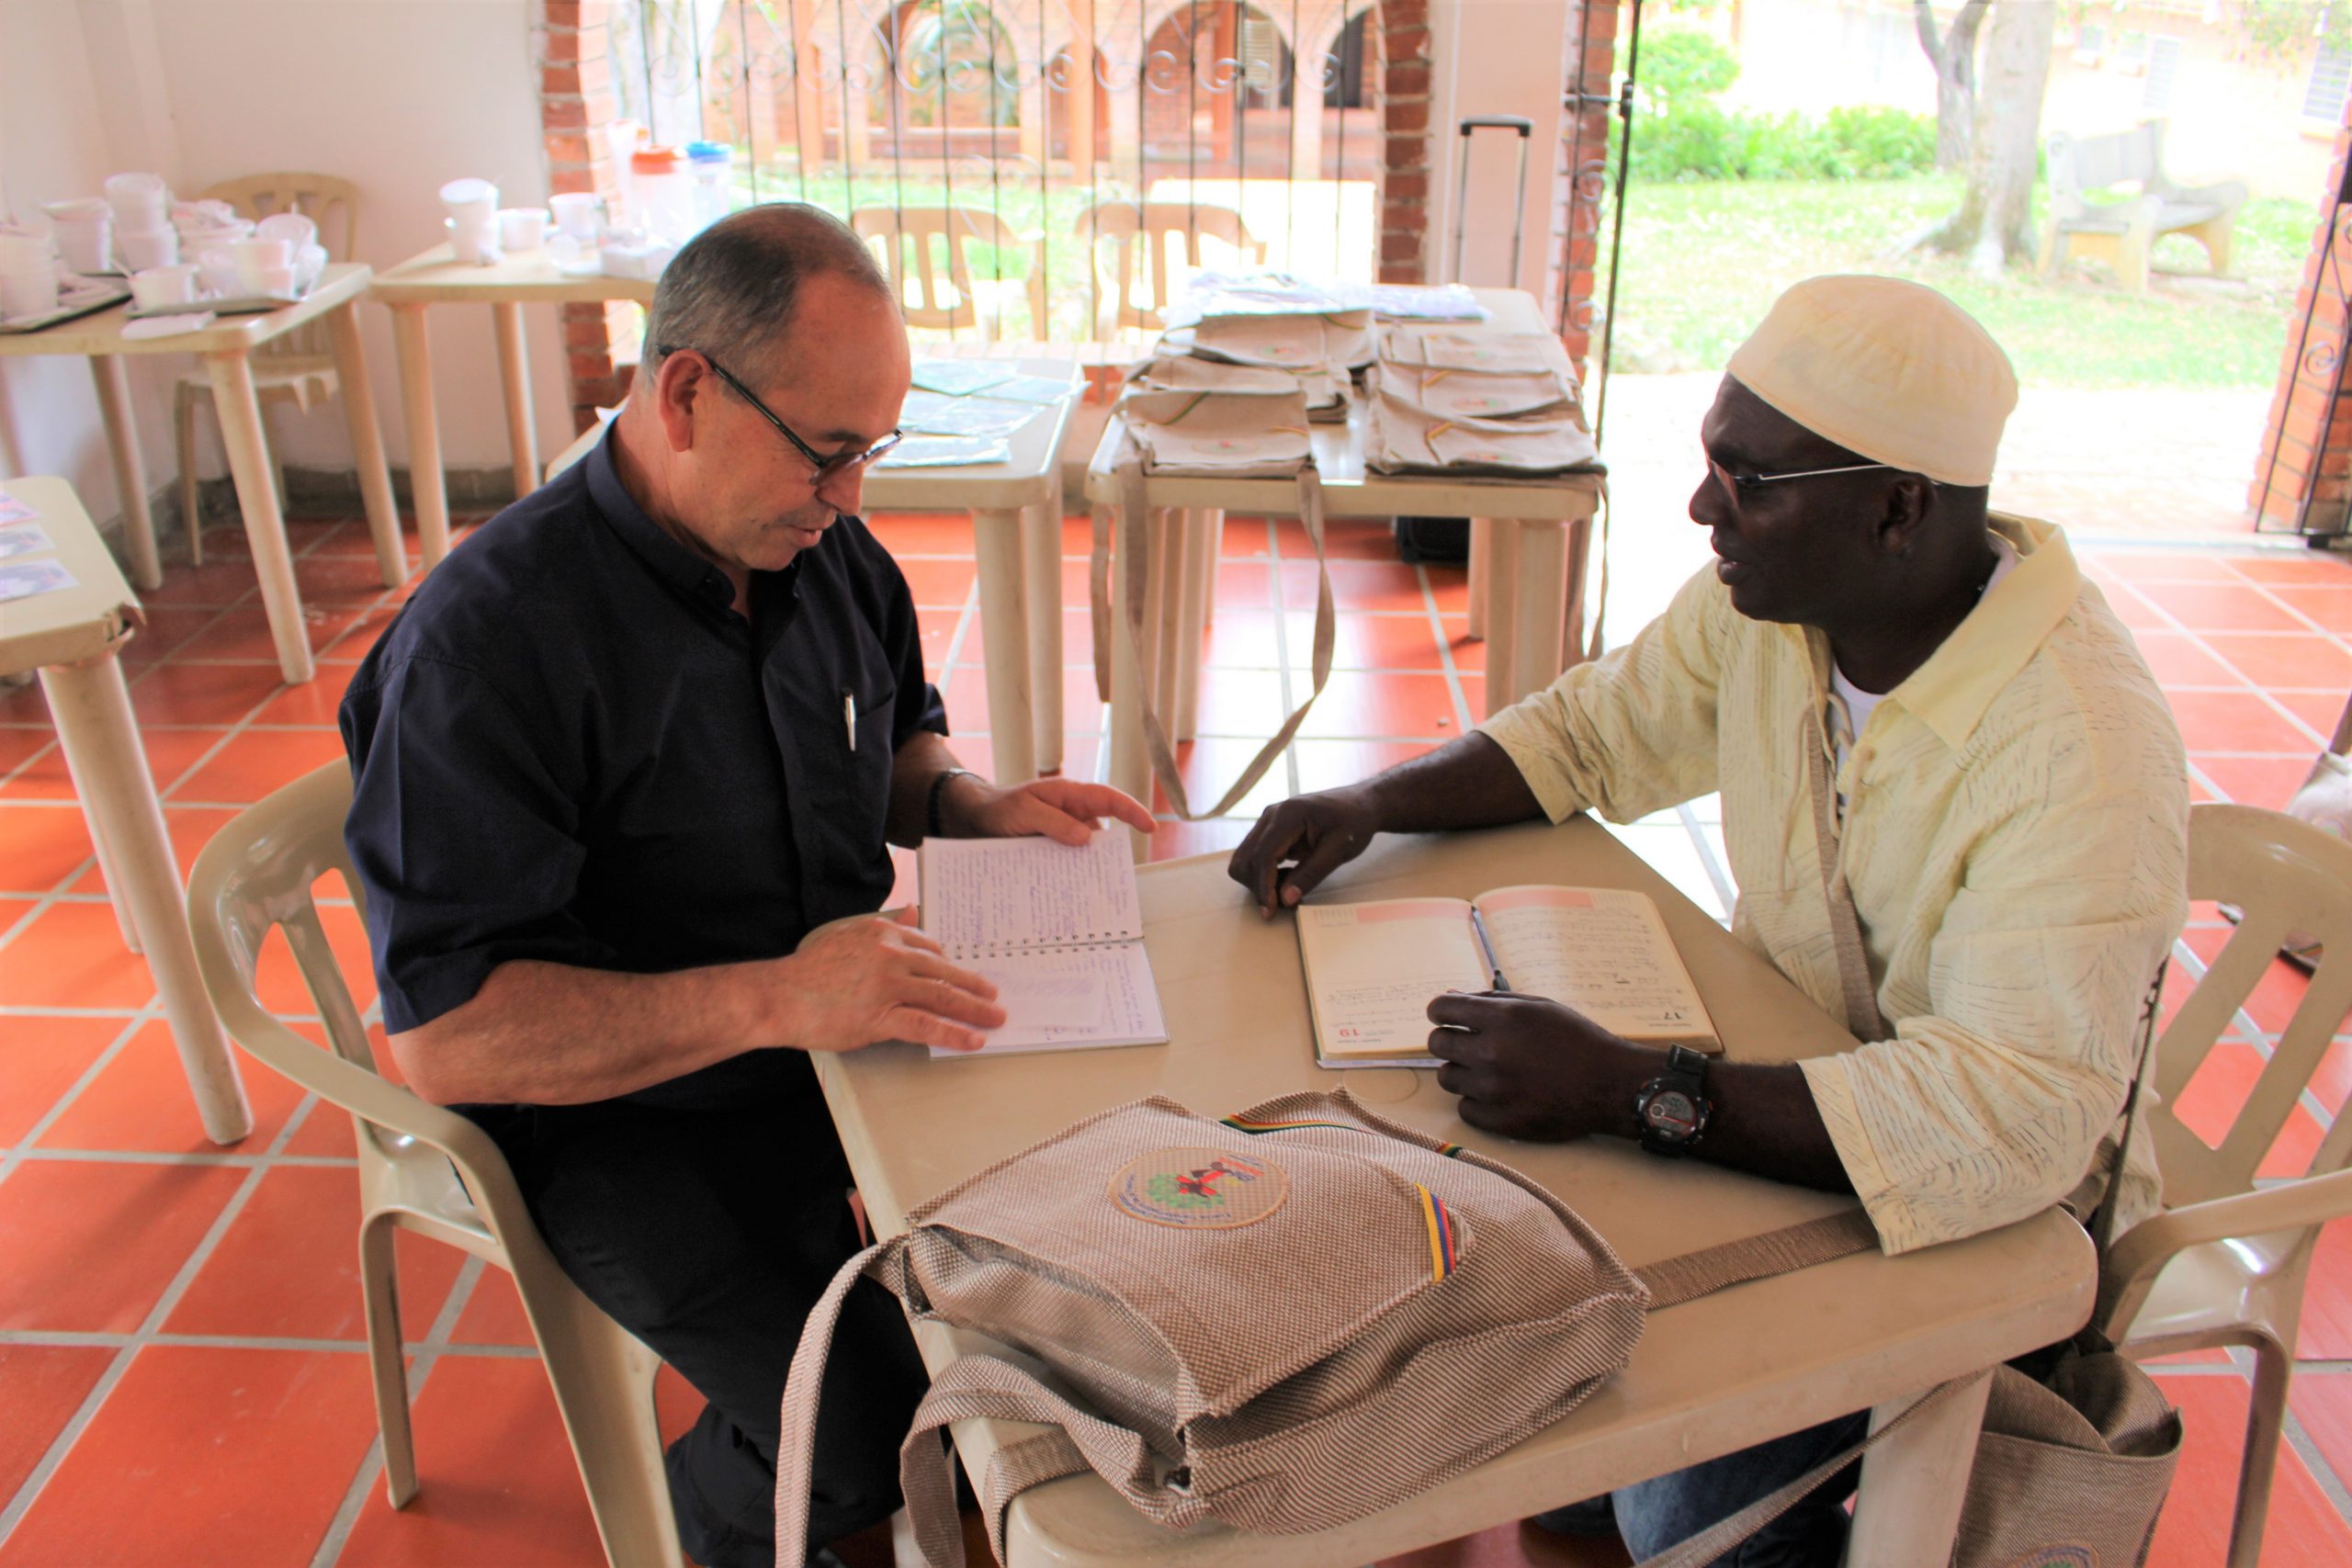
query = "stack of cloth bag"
x=1498 y=406
x=1233 y=389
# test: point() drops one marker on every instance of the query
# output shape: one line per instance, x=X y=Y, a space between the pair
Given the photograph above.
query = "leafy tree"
x=1955 y=57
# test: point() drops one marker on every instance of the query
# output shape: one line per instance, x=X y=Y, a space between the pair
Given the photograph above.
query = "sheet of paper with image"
x=945 y=452
x=1044 y=390
x=25 y=539
x=15 y=511
x=979 y=416
x=957 y=376
x=23 y=579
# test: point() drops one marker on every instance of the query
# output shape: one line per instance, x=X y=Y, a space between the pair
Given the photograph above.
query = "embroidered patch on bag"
x=1199 y=1189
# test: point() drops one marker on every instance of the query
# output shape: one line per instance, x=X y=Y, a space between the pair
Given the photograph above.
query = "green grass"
x=1703 y=260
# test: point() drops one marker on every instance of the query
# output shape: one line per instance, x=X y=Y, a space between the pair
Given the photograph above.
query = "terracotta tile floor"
x=180 y=1371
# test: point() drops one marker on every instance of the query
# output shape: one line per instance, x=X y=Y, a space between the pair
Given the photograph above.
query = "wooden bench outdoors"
x=2122 y=233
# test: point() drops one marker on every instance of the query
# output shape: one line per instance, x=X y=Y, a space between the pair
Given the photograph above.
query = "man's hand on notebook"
x=858 y=981
x=1529 y=1067
x=1062 y=809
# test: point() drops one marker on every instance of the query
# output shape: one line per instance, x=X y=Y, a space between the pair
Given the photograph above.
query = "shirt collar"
x=1950 y=692
x=688 y=575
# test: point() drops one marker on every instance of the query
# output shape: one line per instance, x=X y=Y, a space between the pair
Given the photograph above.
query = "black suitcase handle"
x=1518 y=122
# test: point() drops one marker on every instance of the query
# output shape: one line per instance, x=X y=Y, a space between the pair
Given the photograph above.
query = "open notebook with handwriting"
x=1057 y=930
x=1371 y=968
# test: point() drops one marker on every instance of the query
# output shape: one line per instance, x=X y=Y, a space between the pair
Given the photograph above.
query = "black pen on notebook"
x=1486 y=946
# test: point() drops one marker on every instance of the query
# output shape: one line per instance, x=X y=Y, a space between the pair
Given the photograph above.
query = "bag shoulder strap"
x=1784 y=1251
x=803 y=1384
x=1075 y=1440
x=1130 y=520
x=1718 y=1540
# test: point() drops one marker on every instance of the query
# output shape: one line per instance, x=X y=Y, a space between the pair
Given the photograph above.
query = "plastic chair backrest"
x=928 y=231
x=2283 y=875
x=331 y=203
x=1117 y=226
x=260 y=871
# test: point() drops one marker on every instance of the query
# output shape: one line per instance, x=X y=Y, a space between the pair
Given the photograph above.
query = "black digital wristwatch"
x=1672 y=1108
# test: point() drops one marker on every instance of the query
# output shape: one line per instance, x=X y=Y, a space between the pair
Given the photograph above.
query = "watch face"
x=1670 y=1111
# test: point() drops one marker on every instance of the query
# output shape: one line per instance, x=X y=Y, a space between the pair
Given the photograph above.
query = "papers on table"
x=13 y=510
x=1414 y=302
x=1040 y=389
x=944 y=452
x=932 y=413
x=22 y=580
x=24 y=539
x=957 y=376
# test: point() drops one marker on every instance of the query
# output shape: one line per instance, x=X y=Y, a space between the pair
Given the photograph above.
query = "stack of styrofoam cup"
x=28 y=273
x=575 y=214
x=473 y=220
x=143 y=235
x=83 y=228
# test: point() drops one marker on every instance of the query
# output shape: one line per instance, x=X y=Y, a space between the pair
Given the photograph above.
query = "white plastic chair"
x=293 y=368
x=959 y=301
x=1133 y=272
x=259 y=872
x=2225 y=1262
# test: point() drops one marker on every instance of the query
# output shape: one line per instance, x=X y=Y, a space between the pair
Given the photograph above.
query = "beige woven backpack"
x=1241 y=1316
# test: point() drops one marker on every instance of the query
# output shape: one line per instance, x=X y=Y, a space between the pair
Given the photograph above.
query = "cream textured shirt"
x=2016 y=840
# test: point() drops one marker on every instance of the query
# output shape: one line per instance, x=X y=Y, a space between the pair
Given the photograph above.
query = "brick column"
x=576 y=101
x=1582 y=178
x=2303 y=476
x=1405 y=245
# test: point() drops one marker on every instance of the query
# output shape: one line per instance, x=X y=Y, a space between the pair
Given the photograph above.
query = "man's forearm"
x=543 y=1034
x=1468 y=783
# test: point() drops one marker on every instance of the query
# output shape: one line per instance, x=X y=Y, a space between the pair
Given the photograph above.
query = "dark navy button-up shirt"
x=568 y=747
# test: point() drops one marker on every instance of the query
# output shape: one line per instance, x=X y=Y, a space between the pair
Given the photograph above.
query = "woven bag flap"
x=1246 y=1262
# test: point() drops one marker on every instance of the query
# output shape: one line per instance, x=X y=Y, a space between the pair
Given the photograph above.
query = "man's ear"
x=678 y=386
x=1910 y=502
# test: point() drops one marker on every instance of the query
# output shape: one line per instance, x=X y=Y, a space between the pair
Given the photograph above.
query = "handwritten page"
x=989 y=895
x=1605 y=952
x=1372 y=969
x=1058 y=930
x=1073 y=1000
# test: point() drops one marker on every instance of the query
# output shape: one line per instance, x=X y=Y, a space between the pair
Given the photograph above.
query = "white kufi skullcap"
x=1885 y=367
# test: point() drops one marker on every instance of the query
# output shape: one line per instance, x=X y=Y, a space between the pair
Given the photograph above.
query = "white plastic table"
x=437 y=277
x=71 y=636
x=1530 y=542
x=1016 y=529
x=1710 y=1377
x=225 y=344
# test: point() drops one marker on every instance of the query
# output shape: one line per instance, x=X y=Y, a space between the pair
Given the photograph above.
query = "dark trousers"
x=710 y=1234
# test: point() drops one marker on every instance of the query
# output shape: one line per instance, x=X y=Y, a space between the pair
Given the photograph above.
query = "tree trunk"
x=1990 y=226
x=1954 y=58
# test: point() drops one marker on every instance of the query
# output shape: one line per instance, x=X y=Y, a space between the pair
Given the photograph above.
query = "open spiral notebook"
x=1057 y=930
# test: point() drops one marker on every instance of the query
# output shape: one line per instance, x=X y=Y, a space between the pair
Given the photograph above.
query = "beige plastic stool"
x=260 y=871
x=2226 y=1260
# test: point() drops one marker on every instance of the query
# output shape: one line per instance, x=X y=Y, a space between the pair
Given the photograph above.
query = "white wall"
x=1495 y=57
x=397 y=94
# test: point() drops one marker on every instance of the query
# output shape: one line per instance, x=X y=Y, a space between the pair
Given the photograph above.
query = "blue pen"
x=1485 y=945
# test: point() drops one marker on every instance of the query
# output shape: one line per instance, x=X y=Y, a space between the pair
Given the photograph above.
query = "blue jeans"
x=1653 y=1516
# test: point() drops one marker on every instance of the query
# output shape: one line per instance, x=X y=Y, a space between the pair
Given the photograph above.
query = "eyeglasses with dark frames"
x=826 y=468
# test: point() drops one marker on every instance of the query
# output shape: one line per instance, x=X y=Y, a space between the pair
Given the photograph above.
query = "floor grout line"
x=29 y=1493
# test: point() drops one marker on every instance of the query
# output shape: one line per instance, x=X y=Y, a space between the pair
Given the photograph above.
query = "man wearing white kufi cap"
x=1953 y=798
